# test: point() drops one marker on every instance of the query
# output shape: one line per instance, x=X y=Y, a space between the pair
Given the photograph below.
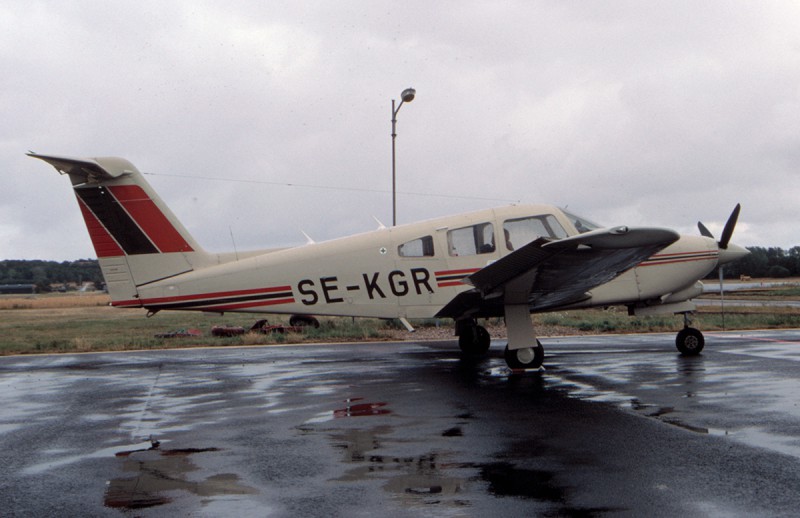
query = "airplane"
x=503 y=262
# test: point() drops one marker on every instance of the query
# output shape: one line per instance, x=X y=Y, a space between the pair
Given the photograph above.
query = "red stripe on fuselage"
x=465 y=272
x=150 y=219
x=682 y=257
x=200 y=296
x=244 y=305
x=450 y=283
x=447 y=278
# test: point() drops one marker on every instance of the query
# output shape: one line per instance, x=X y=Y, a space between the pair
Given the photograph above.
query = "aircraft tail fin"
x=137 y=239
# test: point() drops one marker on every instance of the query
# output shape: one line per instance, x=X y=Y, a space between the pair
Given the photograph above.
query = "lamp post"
x=405 y=97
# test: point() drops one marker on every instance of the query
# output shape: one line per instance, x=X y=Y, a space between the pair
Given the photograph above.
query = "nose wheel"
x=690 y=341
x=525 y=358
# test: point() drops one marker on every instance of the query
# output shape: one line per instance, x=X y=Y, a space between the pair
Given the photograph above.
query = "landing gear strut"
x=473 y=340
x=523 y=351
x=689 y=341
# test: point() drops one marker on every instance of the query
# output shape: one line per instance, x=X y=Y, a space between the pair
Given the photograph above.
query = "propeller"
x=727 y=232
x=704 y=231
x=727 y=251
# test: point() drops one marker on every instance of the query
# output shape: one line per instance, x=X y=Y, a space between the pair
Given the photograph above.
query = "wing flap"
x=514 y=265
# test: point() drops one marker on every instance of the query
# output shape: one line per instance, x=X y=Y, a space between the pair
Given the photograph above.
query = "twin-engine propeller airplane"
x=504 y=262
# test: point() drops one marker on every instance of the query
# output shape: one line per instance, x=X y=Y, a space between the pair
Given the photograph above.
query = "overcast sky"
x=636 y=113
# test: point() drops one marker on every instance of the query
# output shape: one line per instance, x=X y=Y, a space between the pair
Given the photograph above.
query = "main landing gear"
x=689 y=341
x=525 y=358
x=473 y=339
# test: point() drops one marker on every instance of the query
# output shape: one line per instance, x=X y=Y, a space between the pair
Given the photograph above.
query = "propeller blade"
x=704 y=230
x=727 y=232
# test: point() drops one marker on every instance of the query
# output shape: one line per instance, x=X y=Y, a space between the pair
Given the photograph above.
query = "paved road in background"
x=615 y=426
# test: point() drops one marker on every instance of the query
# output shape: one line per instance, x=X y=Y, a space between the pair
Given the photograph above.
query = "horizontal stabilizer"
x=91 y=169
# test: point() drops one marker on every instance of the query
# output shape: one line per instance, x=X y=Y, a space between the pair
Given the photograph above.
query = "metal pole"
x=407 y=95
x=394 y=170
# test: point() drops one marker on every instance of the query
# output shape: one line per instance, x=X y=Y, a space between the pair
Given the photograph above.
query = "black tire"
x=690 y=341
x=523 y=359
x=474 y=340
x=303 y=320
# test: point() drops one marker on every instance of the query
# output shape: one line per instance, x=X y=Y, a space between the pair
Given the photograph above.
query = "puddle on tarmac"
x=589 y=392
x=158 y=472
x=507 y=480
x=436 y=478
x=354 y=409
x=456 y=431
x=416 y=479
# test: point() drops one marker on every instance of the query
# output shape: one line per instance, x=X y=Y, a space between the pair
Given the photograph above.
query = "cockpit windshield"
x=582 y=224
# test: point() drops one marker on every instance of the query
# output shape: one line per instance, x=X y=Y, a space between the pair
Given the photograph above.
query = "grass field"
x=85 y=322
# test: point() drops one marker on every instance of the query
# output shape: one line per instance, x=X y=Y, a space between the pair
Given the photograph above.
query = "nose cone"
x=732 y=253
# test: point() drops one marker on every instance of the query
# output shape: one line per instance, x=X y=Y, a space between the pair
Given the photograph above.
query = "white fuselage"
x=409 y=271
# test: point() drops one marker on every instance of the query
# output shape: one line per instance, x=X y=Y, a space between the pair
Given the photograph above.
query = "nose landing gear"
x=689 y=341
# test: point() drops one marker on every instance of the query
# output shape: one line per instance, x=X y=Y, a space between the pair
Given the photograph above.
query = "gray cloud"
x=644 y=114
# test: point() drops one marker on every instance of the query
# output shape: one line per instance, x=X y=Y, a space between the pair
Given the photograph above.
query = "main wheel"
x=474 y=340
x=526 y=358
x=303 y=320
x=690 y=341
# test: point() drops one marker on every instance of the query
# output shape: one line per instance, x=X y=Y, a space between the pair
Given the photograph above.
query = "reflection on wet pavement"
x=404 y=430
x=361 y=409
x=416 y=476
x=158 y=472
x=640 y=384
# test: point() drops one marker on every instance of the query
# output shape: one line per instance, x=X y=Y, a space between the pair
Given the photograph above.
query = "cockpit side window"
x=421 y=247
x=582 y=225
x=521 y=231
x=476 y=239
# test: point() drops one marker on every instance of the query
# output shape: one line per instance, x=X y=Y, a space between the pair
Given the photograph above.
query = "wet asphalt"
x=615 y=426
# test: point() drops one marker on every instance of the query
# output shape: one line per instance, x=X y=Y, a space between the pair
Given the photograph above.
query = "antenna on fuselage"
x=381 y=226
x=230 y=229
x=309 y=241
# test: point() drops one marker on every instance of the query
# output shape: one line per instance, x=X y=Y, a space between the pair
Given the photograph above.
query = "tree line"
x=765 y=262
x=45 y=274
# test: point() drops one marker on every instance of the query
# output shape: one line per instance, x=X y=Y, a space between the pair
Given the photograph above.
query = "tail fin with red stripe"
x=137 y=239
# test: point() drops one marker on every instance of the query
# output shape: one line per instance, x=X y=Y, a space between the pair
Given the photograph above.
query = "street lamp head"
x=408 y=95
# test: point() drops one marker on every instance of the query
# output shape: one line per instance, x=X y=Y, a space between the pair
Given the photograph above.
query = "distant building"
x=17 y=289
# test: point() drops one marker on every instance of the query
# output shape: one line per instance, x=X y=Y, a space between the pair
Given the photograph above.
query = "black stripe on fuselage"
x=117 y=222
x=215 y=302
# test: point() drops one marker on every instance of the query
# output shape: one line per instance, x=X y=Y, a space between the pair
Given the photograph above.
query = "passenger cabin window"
x=422 y=247
x=520 y=232
x=477 y=239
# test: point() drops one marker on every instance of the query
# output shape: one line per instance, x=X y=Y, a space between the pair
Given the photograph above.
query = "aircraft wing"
x=547 y=274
